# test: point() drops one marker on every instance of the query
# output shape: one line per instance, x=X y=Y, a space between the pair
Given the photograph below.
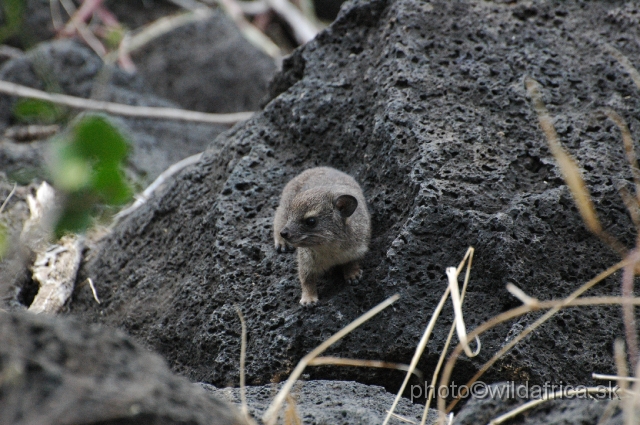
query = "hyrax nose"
x=285 y=233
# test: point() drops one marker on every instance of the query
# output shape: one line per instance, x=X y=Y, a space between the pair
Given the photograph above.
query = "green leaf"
x=109 y=184
x=95 y=138
x=87 y=168
x=37 y=111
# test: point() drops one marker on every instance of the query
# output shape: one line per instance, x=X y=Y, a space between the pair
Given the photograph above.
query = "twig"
x=77 y=22
x=248 y=30
x=124 y=58
x=303 y=30
x=93 y=290
x=160 y=27
x=255 y=7
x=6 y=201
x=56 y=16
x=31 y=132
x=121 y=109
x=144 y=196
x=271 y=414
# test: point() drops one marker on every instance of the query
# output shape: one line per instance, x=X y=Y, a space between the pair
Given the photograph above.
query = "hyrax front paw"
x=352 y=273
x=308 y=299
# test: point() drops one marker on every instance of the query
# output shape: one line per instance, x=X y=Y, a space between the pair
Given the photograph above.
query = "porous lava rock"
x=60 y=371
x=498 y=399
x=424 y=104
x=329 y=402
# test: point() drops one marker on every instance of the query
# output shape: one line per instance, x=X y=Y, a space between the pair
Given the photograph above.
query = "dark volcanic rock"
x=207 y=65
x=59 y=371
x=424 y=104
x=574 y=410
x=329 y=402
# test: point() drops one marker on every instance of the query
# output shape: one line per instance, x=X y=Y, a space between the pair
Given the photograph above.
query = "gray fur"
x=341 y=234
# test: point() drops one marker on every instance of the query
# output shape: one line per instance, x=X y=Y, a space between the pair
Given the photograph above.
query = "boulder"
x=498 y=399
x=424 y=104
x=60 y=371
x=206 y=65
x=329 y=402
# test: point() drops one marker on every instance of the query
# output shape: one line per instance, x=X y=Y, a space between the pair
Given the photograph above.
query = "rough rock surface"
x=569 y=411
x=206 y=65
x=329 y=402
x=59 y=371
x=424 y=105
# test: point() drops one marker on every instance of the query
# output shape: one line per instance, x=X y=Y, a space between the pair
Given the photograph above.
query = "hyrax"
x=323 y=214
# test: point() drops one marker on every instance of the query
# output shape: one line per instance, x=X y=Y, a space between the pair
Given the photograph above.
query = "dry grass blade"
x=6 y=201
x=338 y=361
x=522 y=296
x=536 y=324
x=631 y=203
x=402 y=418
x=627 y=140
x=93 y=290
x=56 y=16
x=569 y=169
x=517 y=312
x=611 y=408
x=271 y=415
x=625 y=62
x=291 y=416
x=445 y=349
x=121 y=109
x=618 y=378
x=427 y=333
x=533 y=403
x=243 y=356
x=628 y=312
x=623 y=371
x=461 y=329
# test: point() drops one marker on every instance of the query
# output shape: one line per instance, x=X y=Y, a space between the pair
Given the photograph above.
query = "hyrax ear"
x=346 y=204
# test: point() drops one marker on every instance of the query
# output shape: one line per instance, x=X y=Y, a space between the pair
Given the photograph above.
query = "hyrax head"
x=318 y=217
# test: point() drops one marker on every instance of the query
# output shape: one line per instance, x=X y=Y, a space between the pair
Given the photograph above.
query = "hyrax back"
x=323 y=214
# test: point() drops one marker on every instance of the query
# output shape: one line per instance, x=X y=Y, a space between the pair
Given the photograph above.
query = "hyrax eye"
x=310 y=222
